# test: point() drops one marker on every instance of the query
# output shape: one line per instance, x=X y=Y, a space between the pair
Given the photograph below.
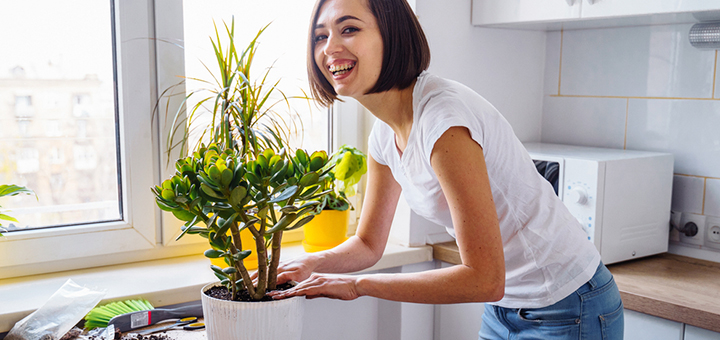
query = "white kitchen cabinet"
x=571 y=14
x=492 y=12
x=696 y=333
x=614 y=8
x=639 y=326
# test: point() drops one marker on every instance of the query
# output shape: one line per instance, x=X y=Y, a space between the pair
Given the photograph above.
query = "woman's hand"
x=342 y=287
x=298 y=269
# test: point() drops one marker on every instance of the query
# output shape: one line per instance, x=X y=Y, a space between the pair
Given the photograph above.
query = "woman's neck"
x=395 y=108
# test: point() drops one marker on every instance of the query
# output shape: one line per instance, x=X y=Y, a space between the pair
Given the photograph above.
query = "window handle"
x=590 y=2
x=570 y=2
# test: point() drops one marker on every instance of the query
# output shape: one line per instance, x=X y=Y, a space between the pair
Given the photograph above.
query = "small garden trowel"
x=133 y=320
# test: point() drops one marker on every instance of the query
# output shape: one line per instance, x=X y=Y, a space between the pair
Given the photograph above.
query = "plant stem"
x=275 y=260
x=262 y=264
x=235 y=248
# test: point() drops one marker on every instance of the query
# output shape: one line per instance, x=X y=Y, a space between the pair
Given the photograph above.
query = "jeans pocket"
x=548 y=317
x=613 y=324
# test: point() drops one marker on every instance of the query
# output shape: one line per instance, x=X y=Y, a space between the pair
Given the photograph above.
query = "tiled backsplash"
x=641 y=88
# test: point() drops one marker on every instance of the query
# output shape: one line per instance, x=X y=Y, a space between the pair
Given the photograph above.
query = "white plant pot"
x=234 y=320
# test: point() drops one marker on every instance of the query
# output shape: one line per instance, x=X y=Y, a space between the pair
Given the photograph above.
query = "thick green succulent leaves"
x=215 y=174
x=302 y=157
x=282 y=223
x=303 y=221
x=167 y=184
x=318 y=160
x=242 y=255
x=213 y=254
x=210 y=191
x=230 y=270
x=263 y=162
x=237 y=195
x=285 y=194
x=168 y=194
x=183 y=215
x=309 y=178
x=268 y=153
x=226 y=177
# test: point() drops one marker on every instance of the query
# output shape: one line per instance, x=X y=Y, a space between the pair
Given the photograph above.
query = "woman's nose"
x=332 y=45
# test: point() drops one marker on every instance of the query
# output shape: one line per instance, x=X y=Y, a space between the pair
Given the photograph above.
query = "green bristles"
x=101 y=315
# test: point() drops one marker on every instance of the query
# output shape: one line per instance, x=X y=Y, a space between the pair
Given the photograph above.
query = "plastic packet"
x=58 y=315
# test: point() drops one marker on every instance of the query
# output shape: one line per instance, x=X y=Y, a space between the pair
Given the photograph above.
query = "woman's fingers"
x=330 y=286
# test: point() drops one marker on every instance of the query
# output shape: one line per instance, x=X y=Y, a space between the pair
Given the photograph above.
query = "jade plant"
x=242 y=175
x=11 y=190
x=345 y=168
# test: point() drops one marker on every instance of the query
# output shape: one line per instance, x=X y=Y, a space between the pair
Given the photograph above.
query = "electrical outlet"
x=712 y=226
x=675 y=217
x=699 y=220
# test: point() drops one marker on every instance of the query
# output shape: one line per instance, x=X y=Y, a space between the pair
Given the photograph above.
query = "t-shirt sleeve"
x=375 y=145
x=441 y=116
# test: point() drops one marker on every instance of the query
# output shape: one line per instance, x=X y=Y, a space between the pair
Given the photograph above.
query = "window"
x=82 y=99
x=81 y=93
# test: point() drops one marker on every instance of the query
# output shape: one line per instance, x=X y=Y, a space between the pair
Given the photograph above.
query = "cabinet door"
x=639 y=326
x=695 y=333
x=491 y=12
x=616 y=8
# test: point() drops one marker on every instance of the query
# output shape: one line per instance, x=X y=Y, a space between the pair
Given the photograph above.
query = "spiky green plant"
x=11 y=190
x=242 y=174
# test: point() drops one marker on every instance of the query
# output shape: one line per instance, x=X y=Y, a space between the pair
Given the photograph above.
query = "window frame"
x=136 y=236
x=146 y=62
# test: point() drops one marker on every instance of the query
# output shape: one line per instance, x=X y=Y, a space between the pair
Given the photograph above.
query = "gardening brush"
x=100 y=316
x=133 y=320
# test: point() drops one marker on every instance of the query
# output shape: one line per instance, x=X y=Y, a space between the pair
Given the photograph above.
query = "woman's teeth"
x=341 y=69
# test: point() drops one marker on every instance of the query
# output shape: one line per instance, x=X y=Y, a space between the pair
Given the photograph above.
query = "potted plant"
x=329 y=228
x=245 y=178
x=11 y=190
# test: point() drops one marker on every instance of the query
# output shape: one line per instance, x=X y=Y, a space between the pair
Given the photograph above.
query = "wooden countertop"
x=672 y=287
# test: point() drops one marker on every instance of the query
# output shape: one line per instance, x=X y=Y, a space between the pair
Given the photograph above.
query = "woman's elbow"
x=496 y=291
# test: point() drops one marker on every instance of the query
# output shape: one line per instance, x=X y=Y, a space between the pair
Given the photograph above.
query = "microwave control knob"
x=578 y=195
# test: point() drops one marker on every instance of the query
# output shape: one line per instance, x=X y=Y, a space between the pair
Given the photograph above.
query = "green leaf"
x=242 y=255
x=183 y=215
x=309 y=178
x=282 y=223
x=210 y=191
x=303 y=221
x=13 y=190
x=7 y=218
x=287 y=193
x=237 y=195
x=230 y=270
x=227 y=177
x=213 y=254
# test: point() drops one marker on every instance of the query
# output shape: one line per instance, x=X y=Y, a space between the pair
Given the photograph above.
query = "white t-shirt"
x=547 y=253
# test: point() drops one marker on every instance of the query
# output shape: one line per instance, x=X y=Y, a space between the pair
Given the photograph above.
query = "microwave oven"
x=621 y=198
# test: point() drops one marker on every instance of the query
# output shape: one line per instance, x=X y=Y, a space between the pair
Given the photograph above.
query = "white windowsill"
x=162 y=282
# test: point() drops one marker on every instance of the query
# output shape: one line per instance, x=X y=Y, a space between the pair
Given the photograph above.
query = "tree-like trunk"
x=275 y=260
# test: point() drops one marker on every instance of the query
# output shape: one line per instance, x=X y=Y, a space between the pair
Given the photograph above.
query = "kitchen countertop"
x=669 y=286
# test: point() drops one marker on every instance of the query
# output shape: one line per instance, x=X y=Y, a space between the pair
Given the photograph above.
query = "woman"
x=460 y=165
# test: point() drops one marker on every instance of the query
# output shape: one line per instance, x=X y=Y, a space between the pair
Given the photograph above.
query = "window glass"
x=57 y=112
x=282 y=46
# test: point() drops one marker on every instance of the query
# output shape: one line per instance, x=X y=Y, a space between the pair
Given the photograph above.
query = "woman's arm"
x=459 y=164
x=366 y=247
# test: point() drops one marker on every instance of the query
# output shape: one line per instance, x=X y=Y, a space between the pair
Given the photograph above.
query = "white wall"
x=641 y=88
x=504 y=66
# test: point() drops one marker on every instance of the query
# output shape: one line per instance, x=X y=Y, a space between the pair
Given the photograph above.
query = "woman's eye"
x=319 y=38
x=350 y=30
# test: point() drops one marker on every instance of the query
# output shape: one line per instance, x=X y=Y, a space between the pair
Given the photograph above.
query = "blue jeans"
x=594 y=311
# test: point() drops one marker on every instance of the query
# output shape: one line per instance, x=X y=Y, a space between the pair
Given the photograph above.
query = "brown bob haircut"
x=405 y=50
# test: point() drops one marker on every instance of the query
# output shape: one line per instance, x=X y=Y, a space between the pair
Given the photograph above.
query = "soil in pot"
x=222 y=293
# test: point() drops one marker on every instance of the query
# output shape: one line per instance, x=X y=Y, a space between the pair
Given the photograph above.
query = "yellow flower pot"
x=248 y=242
x=326 y=230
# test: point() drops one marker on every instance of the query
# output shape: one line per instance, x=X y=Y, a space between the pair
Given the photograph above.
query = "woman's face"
x=348 y=46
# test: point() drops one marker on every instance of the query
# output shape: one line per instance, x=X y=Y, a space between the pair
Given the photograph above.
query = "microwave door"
x=553 y=170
